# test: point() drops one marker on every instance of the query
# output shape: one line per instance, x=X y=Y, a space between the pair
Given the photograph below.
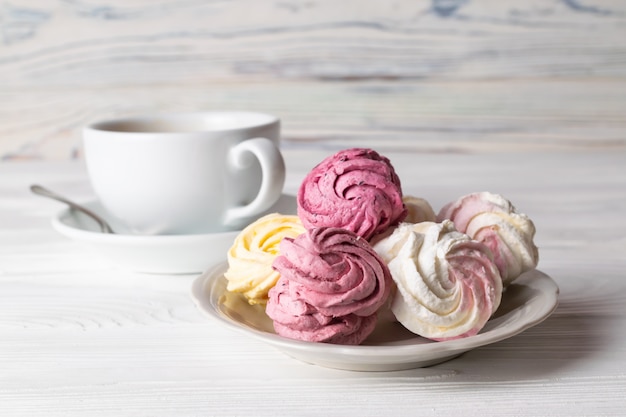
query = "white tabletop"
x=80 y=337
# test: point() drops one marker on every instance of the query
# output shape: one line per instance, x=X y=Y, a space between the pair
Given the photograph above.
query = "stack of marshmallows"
x=358 y=248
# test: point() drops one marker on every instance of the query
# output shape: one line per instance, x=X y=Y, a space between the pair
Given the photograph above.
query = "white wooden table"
x=79 y=337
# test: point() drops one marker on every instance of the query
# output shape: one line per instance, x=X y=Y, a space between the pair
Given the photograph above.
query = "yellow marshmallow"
x=251 y=256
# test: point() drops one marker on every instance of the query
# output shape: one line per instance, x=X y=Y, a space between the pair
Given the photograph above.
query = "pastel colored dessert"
x=355 y=189
x=251 y=256
x=494 y=221
x=331 y=285
x=418 y=210
x=447 y=284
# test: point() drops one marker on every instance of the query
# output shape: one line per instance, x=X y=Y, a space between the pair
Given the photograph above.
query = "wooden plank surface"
x=443 y=75
x=79 y=337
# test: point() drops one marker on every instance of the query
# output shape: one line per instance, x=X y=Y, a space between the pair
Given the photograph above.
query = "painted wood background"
x=436 y=75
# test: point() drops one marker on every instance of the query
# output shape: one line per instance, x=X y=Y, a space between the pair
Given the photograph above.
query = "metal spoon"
x=42 y=191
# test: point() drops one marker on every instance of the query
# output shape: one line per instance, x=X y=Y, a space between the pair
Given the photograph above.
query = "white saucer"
x=163 y=254
x=526 y=302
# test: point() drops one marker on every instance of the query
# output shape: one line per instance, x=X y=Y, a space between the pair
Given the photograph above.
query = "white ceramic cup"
x=186 y=173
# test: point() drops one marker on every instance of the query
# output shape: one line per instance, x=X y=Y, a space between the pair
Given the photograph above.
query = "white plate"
x=527 y=302
x=163 y=254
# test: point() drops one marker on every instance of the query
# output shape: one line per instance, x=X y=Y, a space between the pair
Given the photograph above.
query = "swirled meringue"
x=493 y=220
x=355 y=189
x=447 y=284
x=418 y=210
x=251 y=256
x=331 y=285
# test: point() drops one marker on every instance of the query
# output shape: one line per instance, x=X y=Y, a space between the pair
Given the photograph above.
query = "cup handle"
x=273 y=172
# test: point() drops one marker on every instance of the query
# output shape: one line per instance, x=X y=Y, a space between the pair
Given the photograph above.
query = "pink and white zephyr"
x=494 y=221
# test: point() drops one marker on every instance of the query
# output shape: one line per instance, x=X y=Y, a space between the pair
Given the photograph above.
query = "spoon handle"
x=42 y=191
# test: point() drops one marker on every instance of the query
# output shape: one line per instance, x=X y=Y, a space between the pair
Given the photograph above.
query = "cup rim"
x=125 y=124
